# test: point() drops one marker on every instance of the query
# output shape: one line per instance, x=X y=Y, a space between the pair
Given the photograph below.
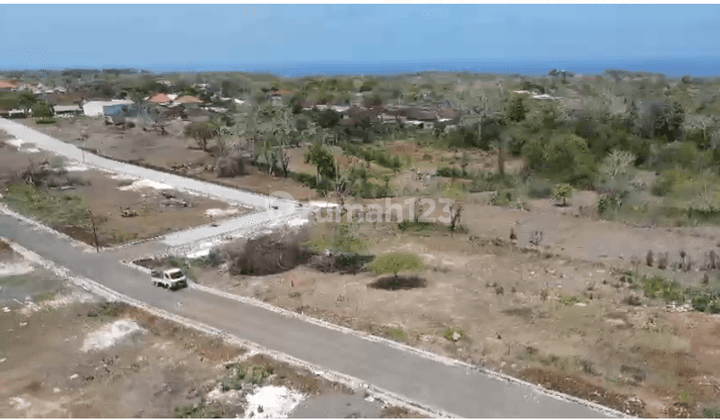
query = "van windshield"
x=176 y=275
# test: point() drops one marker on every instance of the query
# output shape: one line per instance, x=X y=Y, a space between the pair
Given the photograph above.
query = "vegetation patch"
x=239 y=374
x=53 y=208
x=200 y=410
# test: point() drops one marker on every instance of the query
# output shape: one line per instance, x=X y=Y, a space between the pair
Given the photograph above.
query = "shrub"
x=659 y=287
x=449 y=172
x=397 y=334
x=346 y=240
x=239 y=374
x=569 y=300
x=569 y=157
x=269 y=254
x=195 y=411
x=534 y=154
x=669 y=180
x=610 y=202
x=562 y=193
x=229 y=166
x=395 y=263
x=306 y=179
x=706 y=300
x=450 y=333
x=711 y=413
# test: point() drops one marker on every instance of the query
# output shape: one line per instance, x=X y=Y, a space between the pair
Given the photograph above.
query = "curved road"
x=453 y=389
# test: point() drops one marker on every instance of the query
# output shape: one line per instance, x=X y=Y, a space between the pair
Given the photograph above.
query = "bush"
x=711 y=413
x=534 y=154
x=677 y=154
x=659 y=287
x=270 y=254
x=569 y=158
x=346 y=240
x=569 y=300
x=562 y=193
x=395 y=263
x=380 y=157
x=609 y=203
x=196 y=411
x=306 y=179
x=450 y=333
x=229 y=166
x=706 y=300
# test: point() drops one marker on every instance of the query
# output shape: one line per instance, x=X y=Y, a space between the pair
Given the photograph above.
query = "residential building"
x=97 y=108
x=67 y=110
x=160 y=98
x=7 y=86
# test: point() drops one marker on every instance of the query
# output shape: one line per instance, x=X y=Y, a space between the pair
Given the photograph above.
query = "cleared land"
x=60 y=194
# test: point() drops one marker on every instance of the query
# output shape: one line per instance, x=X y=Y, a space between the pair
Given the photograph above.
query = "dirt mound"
x=558 y=381
x=4 y=247
x=399 y=283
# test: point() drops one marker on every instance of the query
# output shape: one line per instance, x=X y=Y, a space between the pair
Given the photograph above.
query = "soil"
x=154 y=212
x=150 y=148
x=536 y=315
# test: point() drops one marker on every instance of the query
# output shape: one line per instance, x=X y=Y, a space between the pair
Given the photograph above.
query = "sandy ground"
x=556 y=321
x=157 y=209
x=172 y=150
x=67 y=354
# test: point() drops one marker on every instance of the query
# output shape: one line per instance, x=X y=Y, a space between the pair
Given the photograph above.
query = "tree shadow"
x=399 y=283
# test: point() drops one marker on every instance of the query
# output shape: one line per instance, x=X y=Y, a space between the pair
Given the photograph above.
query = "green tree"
x=42 y=110
x=323 y=160
x=201 y=132
x=517 y=110
x=534 y=154
x=395 y=263
x=562 y=193
x=570 y=158
x=26 y=100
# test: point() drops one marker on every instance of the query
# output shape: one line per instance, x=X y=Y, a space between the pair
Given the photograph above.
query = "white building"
x=95 y=108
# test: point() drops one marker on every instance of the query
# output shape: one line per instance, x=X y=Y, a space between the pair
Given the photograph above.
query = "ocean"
x=673 y=67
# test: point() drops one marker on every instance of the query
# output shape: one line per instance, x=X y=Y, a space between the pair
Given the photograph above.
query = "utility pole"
x=92 y=220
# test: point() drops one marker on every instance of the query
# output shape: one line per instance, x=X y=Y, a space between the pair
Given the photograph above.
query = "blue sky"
x=277 y=38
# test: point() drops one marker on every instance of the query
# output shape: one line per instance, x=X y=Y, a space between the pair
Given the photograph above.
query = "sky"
x=282 y=39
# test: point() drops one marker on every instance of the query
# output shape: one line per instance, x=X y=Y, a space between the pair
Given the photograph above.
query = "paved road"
x=453 y=389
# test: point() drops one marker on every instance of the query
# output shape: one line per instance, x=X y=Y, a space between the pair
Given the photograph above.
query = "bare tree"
x=284 y=160
x=456 y=214
x=536 y=238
